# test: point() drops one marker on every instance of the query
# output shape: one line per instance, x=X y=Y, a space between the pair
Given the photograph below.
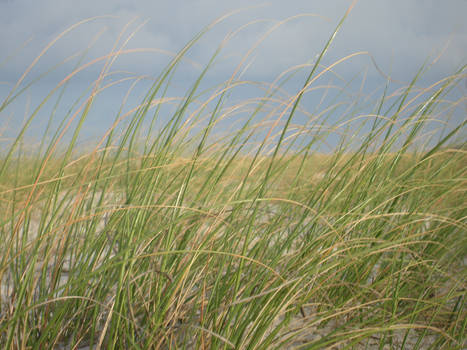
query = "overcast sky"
x=399 y=34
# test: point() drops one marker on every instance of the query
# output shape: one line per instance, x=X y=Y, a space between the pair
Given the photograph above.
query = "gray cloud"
x=400 y=34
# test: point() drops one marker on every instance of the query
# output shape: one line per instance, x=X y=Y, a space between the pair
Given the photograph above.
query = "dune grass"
x=182 y=239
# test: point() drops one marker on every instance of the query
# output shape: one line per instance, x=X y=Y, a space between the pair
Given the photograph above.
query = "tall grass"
x=181 y=239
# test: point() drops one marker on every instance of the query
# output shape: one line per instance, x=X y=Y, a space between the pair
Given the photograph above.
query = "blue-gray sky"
x=399 y=34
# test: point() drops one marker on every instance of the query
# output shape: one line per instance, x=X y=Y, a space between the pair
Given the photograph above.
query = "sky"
x=399 y=35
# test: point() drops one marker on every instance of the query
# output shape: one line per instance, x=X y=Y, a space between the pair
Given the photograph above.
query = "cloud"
x=399 y=34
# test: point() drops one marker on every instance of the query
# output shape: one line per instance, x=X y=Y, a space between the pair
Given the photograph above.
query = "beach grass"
x=185 y=238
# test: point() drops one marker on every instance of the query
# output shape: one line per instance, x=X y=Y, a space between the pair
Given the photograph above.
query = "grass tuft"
x=188 y=236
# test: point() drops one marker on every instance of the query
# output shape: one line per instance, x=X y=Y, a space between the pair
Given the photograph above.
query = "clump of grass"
x=255 y=240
